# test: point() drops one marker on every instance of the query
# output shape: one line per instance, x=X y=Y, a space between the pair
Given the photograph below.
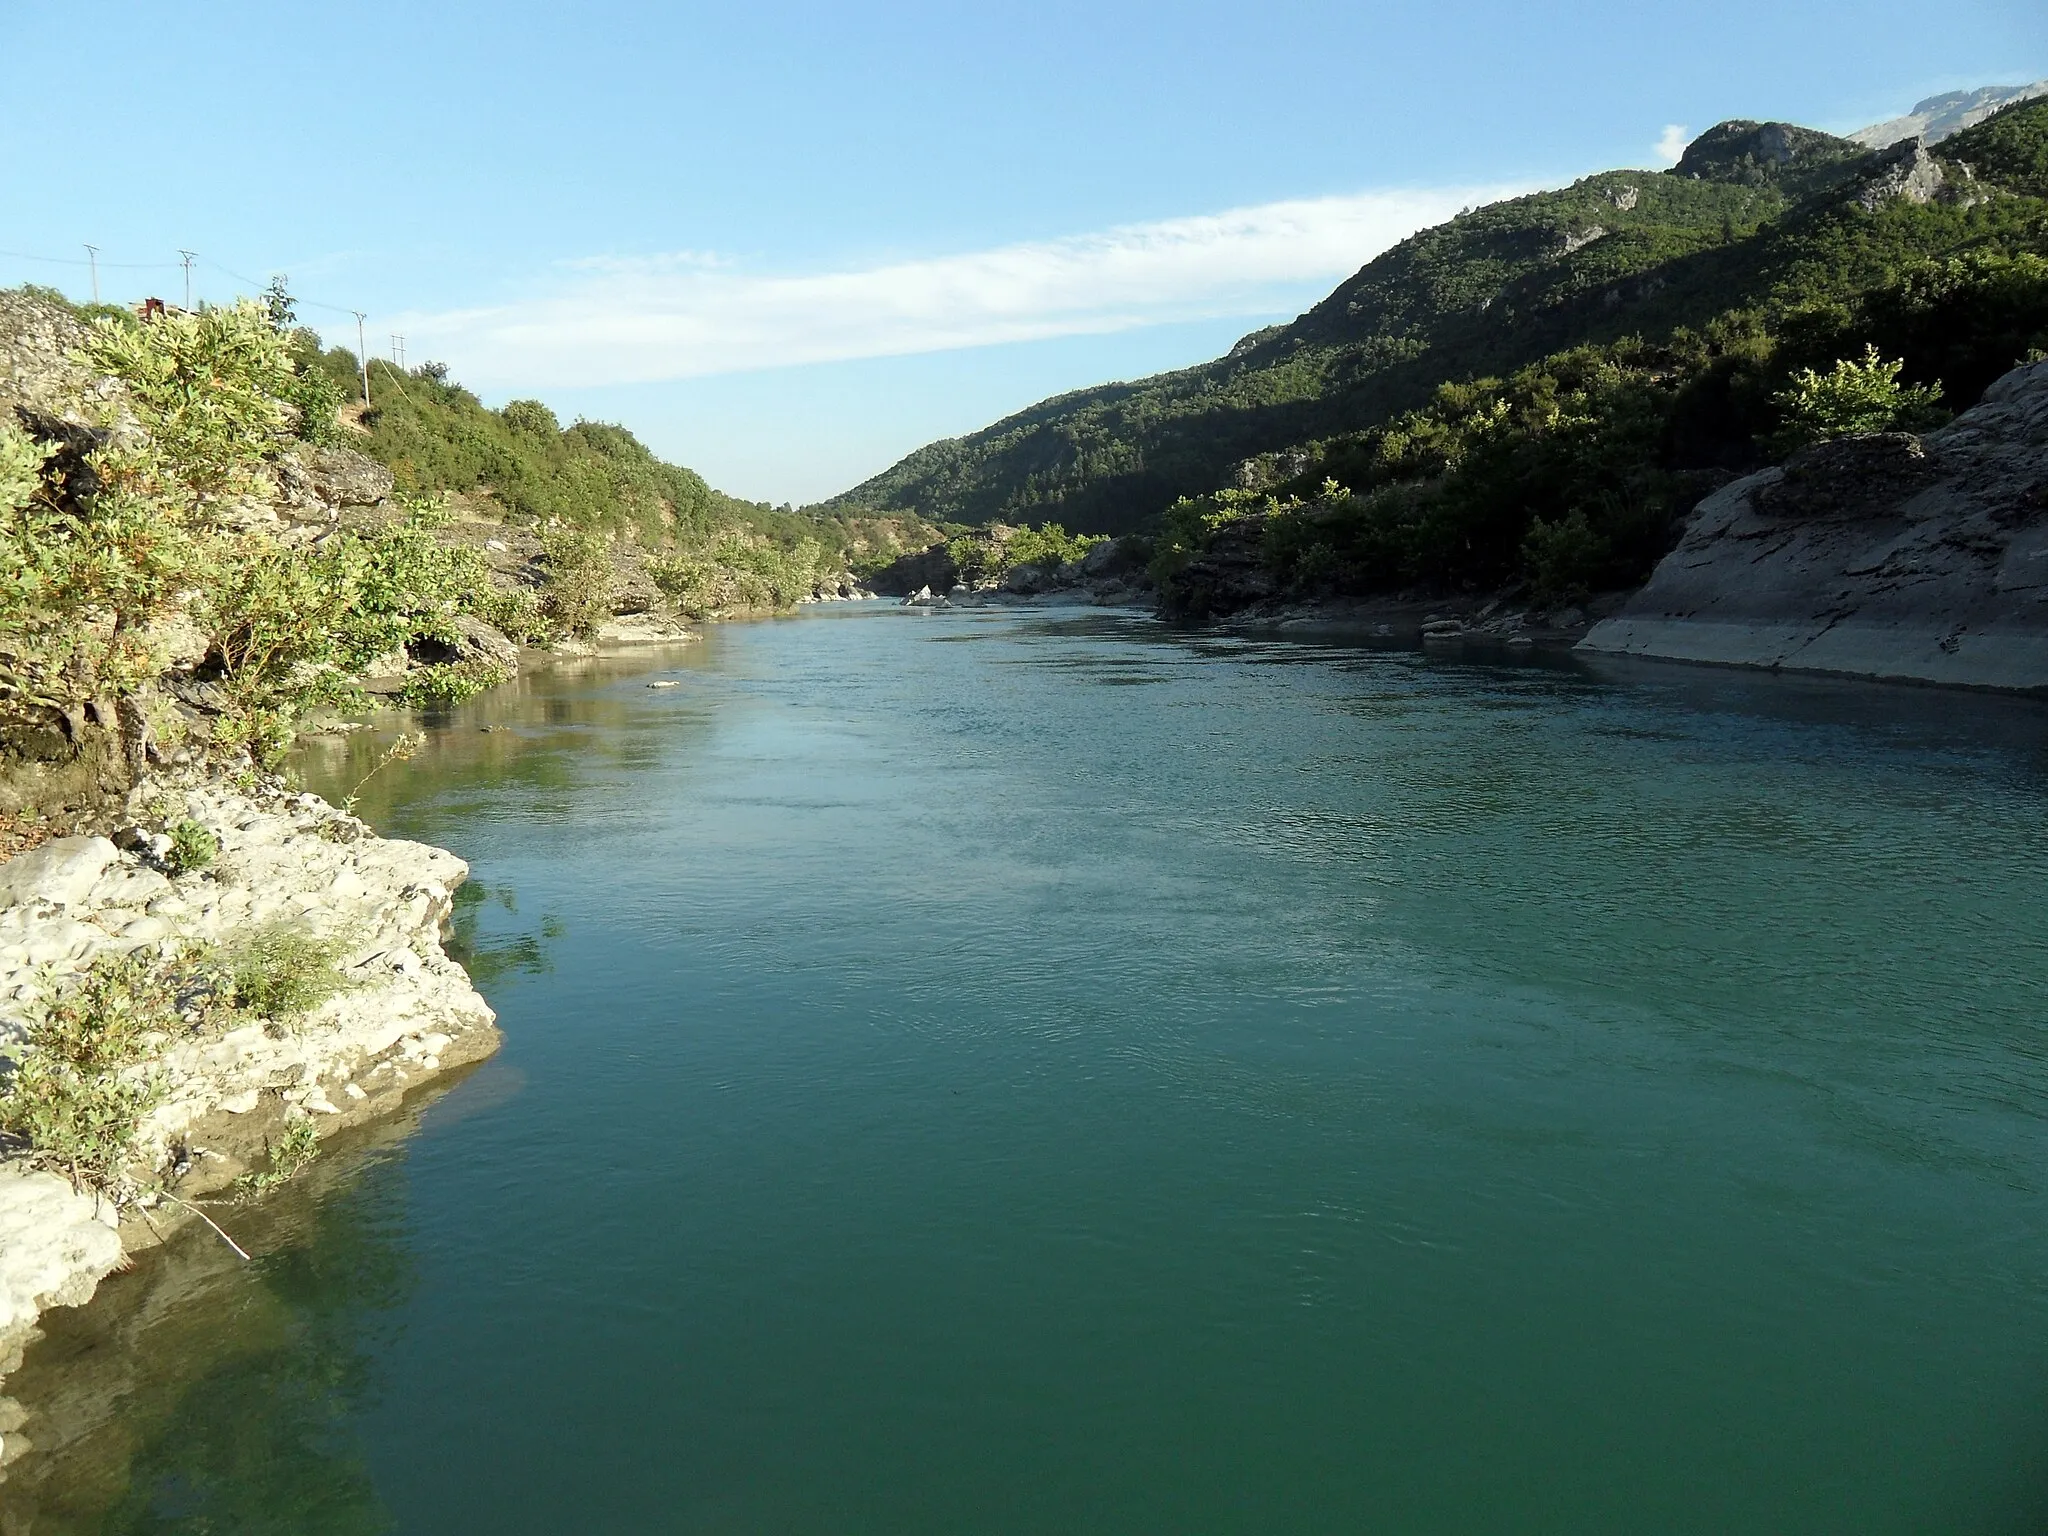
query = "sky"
x=787 y=242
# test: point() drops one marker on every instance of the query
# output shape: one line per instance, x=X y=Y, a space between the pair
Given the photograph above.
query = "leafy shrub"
x=1851 y=397
x=738 y=571
x=989 y=554
x=21 y=467
x=76 y=1097
x=293 y=626
x=281 y=972
x=297 y=1145
x=578 y=595
x=192 y=846
x=88 y=565
x=450 y=682
x=531 y=416
x=317 y=399
x=515 y=611
x=1048 y=544
x=1564 y=558
x=208 y=388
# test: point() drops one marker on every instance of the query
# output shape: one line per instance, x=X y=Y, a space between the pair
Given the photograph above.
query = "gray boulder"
x=1888 y=556
x=1117 y=558
x=340 y=477
x=63 y=870
x=1229 y=575
x=474 y=641
x=1029 y=580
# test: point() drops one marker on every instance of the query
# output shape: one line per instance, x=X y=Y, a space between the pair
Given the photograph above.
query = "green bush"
x=1852 y=397
x=990 y=554
x=515 y=611
x=577 y=596
x=208 y=388
x=297 y=1145
x=293 y=626
x=77 y=1096
x=450 y=682
x=317 y=399
x=281 y=972
x=192 y=846
x=1564 y=558
x=737 y=571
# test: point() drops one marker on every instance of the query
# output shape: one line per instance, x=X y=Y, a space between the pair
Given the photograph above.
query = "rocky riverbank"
x=368 y=909
x=1913 y=558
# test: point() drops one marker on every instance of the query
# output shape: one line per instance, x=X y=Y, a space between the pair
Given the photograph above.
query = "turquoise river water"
x=1015 y=1071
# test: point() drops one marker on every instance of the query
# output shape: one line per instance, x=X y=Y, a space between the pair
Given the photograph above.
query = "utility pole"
x=362 y=355
x=187 y=257
x=92 y=254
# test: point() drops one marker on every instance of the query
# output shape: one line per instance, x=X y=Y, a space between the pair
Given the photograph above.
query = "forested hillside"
x=439 y=439
x=1768 y=249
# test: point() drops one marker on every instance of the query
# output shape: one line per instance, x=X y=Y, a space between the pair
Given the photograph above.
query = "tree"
x=279 y=305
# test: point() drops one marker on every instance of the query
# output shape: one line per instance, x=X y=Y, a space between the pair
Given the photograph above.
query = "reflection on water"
x=1010 y=1072
x=201 y=1394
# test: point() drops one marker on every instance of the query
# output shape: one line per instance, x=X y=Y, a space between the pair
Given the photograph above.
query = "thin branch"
x=208 y=1220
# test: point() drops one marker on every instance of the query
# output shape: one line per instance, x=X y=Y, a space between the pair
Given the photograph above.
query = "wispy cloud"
x=1672 y=145
x=638 y=320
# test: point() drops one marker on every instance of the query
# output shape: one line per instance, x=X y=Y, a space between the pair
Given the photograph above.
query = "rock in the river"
x=1029 y=580
x=1891 y=556
x=474 y=641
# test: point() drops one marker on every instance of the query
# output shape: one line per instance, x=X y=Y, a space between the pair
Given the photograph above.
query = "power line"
x=111 y=266
x=187 y=259
x=243 y=277
x=95 y=265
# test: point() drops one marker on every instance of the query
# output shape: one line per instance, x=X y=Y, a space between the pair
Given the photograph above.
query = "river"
x=1012 y=1071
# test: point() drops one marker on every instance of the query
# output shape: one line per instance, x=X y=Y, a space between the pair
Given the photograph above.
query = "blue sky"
x=786 y=242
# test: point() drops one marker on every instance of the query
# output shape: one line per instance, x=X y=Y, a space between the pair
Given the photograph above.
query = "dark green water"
x=1027 y=1073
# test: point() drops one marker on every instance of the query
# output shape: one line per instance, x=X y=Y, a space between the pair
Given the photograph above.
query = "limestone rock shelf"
x=407 y=1013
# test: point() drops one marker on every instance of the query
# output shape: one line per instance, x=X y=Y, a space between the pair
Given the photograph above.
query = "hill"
x=1768 y=217
x=521 y=465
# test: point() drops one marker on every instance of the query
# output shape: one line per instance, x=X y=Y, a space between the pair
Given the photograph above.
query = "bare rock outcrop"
x=933 y=567
x=1937 y=117
x=1891 y=556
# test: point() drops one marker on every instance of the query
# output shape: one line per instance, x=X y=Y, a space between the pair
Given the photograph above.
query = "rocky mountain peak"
x=1743 y=151
x=1937 y=117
